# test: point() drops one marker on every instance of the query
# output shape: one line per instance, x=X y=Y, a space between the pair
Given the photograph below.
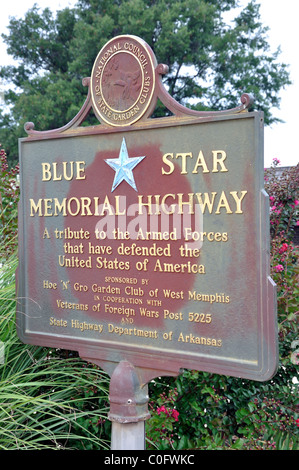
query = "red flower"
x=283 y=248
x=162 y=409
x=173 y=413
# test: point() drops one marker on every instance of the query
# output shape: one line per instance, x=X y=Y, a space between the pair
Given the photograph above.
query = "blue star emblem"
x=123 y=167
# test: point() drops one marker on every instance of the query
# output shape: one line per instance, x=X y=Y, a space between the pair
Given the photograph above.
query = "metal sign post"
x=128 y=408
x=129 y=436
x=144 y=243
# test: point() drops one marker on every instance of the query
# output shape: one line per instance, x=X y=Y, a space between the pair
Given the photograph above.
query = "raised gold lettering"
x=64 y=170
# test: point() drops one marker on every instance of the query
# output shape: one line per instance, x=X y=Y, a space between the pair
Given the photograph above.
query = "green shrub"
x=9 y=196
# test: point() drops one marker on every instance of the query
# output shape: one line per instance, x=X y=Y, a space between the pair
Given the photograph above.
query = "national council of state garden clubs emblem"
x=123 y=81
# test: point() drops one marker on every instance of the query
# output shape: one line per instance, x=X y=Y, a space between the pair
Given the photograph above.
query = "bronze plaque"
x=123 y=81
x=150 y=244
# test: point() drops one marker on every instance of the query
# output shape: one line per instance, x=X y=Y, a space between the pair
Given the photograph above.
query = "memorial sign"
x=147 y=240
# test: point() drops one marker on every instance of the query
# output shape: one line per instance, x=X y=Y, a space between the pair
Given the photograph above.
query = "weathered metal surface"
x=148 y=243
x=128 y=396
x=220 y=292
x=123 y=81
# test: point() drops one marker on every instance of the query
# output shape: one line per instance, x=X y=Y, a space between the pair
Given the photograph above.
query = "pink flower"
x=272 y=198
x=296 y=202
x=297 y=422
x=297 y=223
x=162 y=409
x=173 y=413
x=276 y=161
x=278 y=268
x=283 y=248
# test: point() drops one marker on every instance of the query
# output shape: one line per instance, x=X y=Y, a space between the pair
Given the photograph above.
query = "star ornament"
x=123 y=167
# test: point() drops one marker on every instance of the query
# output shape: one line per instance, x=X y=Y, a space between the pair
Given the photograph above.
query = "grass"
x=47 y=400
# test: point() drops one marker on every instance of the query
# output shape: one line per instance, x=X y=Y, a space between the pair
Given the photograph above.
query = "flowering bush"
x=9 y=196
x=160 y=428
x=282 y=186
x=285 y=273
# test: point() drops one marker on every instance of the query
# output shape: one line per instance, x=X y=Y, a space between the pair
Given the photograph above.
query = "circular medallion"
x=123 y=81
